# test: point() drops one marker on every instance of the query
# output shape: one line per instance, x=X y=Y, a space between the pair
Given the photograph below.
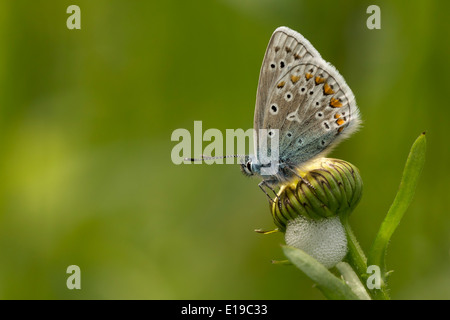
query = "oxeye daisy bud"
x=308 y=210
x=328 y=187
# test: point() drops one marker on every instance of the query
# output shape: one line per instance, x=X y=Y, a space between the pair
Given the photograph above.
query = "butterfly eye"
x=246 y=168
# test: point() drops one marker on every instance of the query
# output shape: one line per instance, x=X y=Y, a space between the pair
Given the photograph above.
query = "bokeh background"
x=86 y=118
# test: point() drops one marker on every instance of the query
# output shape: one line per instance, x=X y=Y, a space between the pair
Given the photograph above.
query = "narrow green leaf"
x=411 y=173
x=352 y=280
x=330 y=285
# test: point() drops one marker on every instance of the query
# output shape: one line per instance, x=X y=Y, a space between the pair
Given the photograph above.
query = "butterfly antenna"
x=213 y=158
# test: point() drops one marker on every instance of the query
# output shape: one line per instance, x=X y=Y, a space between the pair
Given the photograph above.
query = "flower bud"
x=308 y=209
x=328 y=187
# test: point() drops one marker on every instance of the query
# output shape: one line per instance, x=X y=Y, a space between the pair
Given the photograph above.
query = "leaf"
x=330 y=285
x=411 y=173
x=352 y=280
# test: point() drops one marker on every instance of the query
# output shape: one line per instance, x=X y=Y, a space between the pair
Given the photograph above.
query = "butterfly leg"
x=264 y=183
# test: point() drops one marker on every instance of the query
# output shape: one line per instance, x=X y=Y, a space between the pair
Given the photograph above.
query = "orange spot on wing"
x=340 y=129
x=319 y=80
x=294 y=79
x=281 y=84
x=335 y=103
x=308 y=76
x=337 y=116
x=340 y=121
x=327 y=89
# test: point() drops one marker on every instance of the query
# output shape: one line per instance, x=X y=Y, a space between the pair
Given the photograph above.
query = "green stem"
x=358 y=261
x=355 y=256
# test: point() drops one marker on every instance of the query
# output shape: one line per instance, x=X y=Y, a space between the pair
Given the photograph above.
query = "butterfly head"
x=250 y=166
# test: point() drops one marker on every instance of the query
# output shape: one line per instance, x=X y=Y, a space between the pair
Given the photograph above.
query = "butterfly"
x=304 y=102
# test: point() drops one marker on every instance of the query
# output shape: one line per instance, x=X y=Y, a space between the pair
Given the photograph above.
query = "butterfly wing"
x=285 y=47
x=305 y=98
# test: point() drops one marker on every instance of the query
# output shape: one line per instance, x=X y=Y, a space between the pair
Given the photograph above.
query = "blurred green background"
x=86 y=118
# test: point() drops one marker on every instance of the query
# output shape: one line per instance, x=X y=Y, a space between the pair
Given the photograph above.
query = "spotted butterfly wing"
x=304 y=97
x=285 y=48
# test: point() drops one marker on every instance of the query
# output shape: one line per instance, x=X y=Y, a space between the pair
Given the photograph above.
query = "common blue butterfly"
x=306 y=99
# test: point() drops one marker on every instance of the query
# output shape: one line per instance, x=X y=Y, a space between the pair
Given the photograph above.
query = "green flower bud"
x=328 y=187
x=308 y=209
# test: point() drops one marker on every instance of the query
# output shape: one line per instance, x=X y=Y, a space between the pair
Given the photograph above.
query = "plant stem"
x=358 y=261
x=355 y=257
